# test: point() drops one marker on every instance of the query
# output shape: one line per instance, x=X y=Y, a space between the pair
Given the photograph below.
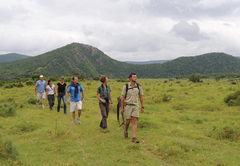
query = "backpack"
x=130 y=88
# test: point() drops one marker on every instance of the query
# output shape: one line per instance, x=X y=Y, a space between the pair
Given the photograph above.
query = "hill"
x=92 y=62
x=203 y=64
x=66 y=60
x=12 y=57
x=146 y=62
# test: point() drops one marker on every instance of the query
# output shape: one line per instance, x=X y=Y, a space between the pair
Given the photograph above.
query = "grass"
x=183 y=124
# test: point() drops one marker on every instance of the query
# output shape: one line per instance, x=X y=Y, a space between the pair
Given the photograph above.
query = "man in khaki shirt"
x=131 y=104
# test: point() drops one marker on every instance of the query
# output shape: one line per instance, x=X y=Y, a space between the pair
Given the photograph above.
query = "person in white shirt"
x=51 y=94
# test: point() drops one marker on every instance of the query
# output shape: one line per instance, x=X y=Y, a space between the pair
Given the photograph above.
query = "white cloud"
x=125 y=30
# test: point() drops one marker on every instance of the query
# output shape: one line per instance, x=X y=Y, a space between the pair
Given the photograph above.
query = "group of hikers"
x=131 y=93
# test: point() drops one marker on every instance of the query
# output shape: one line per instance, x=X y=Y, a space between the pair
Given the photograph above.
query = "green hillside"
x=92 y=62
x=12 y=57
x=65 y=61
x=204 y=64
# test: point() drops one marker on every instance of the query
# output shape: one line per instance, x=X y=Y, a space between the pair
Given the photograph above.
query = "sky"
x=125 y=30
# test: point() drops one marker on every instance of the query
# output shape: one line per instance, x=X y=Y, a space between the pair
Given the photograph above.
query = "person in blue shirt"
x=75 y=102
x=40 y=87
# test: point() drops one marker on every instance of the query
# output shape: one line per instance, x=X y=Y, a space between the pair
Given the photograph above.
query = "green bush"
x=195 y=77
x=233 y=99
x=234 y=82
x=122 y=80
x=231 y=132
x=32 y=100
x=89 y=83
x=19 y=85
x=8 y=108
x=29 y=83
x=96 y=78
x=166 y=98
x=8 y=86
x=9 y=150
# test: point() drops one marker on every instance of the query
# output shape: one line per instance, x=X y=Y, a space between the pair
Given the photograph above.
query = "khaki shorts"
x=41 y=96
x=131 y=111
x=74 y=105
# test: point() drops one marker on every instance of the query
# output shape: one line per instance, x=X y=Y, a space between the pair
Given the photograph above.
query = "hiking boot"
x=37 y=104
x=78 y=120
x=74 y=123
x=125 y=135
x=135 y=140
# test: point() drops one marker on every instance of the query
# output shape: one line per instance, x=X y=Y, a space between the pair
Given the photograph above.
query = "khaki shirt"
x=132 y=94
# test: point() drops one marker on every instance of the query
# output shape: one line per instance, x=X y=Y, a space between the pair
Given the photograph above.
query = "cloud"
x=189 y=32
x=132 y=30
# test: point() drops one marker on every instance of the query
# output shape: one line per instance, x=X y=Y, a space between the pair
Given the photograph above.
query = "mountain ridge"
x=12 y=57
x=93 y=62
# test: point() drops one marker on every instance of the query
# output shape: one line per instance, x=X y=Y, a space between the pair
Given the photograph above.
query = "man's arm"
x=83 y=97
x=67 y=98
x=35 y=90
x=141 y=100
x=122 y=104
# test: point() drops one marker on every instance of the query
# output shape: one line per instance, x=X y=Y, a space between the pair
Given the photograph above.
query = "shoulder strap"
x=126 y=90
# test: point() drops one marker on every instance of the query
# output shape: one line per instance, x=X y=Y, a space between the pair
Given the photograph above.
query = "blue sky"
x=134 y=30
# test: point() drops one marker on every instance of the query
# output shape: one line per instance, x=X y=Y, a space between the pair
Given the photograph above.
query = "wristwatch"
x=142 y=107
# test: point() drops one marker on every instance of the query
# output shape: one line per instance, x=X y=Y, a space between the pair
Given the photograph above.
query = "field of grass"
x=184 y=123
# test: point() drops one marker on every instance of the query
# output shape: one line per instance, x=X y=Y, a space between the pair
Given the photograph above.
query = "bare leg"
x=42 y=101
x=79 y=113
x=134 y=126
x=73 y=115
x=37 y=101
x=127 y=124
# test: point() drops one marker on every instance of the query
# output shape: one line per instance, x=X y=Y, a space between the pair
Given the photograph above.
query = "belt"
x=61 y=93
x=51 y=95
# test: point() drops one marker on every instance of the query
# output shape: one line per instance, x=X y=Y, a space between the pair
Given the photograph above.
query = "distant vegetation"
x=12 y=57
x=91 y=62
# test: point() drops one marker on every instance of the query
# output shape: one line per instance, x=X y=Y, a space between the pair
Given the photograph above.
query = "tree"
x=195 y=77
x=35 y=76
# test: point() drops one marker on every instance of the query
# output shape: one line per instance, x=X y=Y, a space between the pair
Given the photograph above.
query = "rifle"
x=118 y=110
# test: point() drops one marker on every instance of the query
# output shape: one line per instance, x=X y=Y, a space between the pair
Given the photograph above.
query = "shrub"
x=29 y=83
x=122 y=80
x=35 y=77
x=157 y=100
x=178 y=82
x=8 y=86
x=8 y=108
x=19 y=85
x=165 y=81
x=67 y=79
x=96 y=78
x=32 y=100
x=171 y=90
x=26 y=127
x=53 y=78
x=233 y=99
x=89 y=83
x=9 y=150
x=231 y=132
x=166 y=98
x=233 y=83
x=195 y=77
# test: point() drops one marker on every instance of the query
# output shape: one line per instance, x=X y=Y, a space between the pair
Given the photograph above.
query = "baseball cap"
x=41 y=76
x=62 y=77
